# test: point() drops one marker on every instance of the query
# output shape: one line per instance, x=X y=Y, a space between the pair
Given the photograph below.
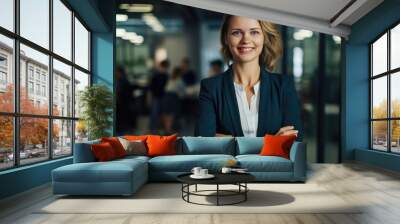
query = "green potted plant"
x=96 y=104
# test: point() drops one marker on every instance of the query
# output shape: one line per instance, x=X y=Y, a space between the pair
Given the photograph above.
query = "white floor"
x=377 y=189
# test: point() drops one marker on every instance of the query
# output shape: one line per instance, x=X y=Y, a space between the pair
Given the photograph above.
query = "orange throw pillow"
x=103 y=152
x=161 y=145
x=116 y=145
x=277 y=145
x=135 y=137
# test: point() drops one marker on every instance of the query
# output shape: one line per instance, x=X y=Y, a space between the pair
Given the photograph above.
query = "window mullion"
x=371 y=89
x=16 y=84
x=50 y=81
x=389 y=76
x=73 y=82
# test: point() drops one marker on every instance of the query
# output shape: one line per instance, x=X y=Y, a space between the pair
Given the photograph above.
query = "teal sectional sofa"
x=125 y=176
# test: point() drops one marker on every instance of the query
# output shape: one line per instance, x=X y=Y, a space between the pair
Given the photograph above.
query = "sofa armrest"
x=83 y=152
x=298 y=155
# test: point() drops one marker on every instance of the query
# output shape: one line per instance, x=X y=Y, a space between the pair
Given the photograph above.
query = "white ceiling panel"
x=326 y=16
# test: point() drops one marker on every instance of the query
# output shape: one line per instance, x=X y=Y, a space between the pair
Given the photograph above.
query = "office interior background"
x=51 y=49
x=152 y=31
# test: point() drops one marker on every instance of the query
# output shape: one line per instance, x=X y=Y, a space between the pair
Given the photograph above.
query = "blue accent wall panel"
x=24 y=178
x=380 y=159
x=103 y=64
x=357 y=100
x=103 y=59
x=356 y=89
x=103 y=52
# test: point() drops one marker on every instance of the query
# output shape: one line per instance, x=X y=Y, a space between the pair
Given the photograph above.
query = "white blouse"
x=248 y=116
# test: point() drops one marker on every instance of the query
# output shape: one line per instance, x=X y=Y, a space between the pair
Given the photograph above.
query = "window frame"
x=388 y=74
x=16 y=115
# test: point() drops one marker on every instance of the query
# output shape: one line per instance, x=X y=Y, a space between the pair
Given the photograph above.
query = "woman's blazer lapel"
x=264 y=105
x=231 y=103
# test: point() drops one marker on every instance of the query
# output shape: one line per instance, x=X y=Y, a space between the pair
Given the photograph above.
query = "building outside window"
x=30 y=87
x=37 y=89
x=43 y=78
x=3 y=72
x=37 y=75
x=3 y=78
x=30 y=72
x=3 y=61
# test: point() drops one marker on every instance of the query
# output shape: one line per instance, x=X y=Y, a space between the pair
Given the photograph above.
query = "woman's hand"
x=287 y=130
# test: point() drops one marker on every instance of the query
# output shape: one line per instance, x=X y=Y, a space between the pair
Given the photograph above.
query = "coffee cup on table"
x=203 y=172
x=196 y=171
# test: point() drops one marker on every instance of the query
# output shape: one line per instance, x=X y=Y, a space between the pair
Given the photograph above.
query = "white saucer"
x=208 y=176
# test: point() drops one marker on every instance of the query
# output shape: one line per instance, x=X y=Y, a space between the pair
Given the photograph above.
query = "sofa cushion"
x=257 y=163
x=249 y=145
x=132 y=158
x=277 y=145
x=116 y=145
x=103 y=152
x=185 y=163
x=161 y=145
x=135 y=147
x=207 y=145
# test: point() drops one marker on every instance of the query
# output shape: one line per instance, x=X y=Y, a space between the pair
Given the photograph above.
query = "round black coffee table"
x=238 y=179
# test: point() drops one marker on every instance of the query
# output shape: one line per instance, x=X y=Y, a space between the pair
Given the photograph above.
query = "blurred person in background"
x=216 y=67
x=189 y=77
x=191 y=91
x=157 y=89
x=125 y=115
x=171 y=103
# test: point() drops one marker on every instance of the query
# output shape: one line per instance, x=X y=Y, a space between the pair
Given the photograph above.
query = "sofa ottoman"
x=118 y=177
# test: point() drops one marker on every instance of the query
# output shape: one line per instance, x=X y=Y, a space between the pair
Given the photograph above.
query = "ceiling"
x=326 y=16
x=172 y=16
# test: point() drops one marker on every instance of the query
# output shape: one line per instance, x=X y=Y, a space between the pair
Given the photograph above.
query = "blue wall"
x=24 y=178
x=100 y=17
x=356 y=89
x=103 y=52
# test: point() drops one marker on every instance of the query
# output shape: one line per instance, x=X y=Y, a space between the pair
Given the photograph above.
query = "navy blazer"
x=218 y=108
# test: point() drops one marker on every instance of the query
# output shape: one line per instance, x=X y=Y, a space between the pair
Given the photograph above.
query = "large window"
x=44 y=63
x=385 y=92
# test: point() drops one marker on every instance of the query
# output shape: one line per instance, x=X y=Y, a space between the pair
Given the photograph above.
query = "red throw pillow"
x=277 y=145
x=161 y=145
x=136 y=137
x=103 y=151
x=116 y=145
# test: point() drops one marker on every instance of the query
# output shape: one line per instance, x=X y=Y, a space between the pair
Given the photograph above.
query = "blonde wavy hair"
x=272 y=49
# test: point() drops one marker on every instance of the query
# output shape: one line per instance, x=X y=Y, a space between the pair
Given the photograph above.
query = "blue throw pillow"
x=249 y=145
x=208 y=145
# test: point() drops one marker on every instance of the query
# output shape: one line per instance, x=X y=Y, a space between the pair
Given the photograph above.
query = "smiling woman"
x=248 y=99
